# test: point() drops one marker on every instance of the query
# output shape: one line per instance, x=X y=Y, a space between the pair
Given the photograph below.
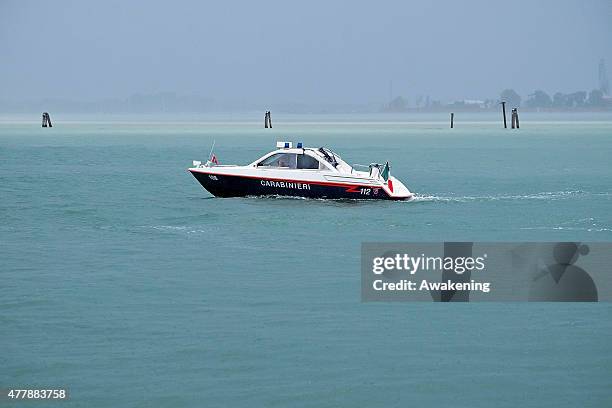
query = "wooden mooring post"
x=515 y=119
x=268 y=120
x=503 y=104
x=46 y=120
x=452 y=120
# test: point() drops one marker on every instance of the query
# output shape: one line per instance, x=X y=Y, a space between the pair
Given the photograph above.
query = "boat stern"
x=397 y=190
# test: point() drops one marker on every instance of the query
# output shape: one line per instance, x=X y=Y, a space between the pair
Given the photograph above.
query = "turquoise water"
x=123 y=280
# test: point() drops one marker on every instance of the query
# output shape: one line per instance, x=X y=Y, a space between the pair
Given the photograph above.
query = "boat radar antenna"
x=211 y=150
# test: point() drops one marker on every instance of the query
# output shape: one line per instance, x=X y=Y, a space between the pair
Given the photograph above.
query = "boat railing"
x=373 y=168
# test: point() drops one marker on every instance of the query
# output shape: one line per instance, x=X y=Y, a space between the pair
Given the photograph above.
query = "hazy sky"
x=306 y=51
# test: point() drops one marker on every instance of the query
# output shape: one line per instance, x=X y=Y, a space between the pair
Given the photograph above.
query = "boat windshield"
x=286 y=160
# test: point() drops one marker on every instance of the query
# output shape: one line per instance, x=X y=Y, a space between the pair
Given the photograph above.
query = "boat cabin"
x=302 y=158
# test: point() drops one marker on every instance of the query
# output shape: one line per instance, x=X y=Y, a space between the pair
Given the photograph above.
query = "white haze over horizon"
x=344 y=52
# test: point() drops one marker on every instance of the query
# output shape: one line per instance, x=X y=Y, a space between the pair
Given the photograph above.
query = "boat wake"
x=544 y=196
x=588 y=224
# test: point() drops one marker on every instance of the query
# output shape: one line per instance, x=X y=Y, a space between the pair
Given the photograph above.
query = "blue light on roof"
x=299 y=145
x=286 y=145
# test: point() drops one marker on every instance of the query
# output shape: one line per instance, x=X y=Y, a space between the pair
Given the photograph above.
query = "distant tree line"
x=398 y=104
x=540 y=99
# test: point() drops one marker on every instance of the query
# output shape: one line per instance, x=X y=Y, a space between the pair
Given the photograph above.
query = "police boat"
x=299 y=172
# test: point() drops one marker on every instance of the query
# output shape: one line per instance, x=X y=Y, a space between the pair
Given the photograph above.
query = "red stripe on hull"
x=320 y=183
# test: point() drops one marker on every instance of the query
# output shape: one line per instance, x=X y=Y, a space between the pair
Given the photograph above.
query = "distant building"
x=474 y=102
x=469 y=104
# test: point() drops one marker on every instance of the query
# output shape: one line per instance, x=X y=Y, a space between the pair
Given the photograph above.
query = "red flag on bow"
x=213 y=159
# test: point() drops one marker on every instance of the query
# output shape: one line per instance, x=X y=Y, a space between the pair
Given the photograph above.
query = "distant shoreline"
x=305 y=111
x=283 y=119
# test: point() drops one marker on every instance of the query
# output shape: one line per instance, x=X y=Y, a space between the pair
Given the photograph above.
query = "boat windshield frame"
x=333 y=159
